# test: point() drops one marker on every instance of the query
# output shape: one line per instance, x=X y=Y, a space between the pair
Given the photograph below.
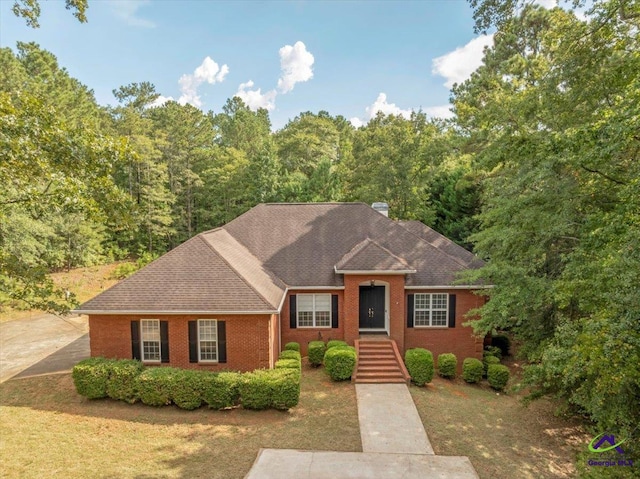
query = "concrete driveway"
x=42 y=345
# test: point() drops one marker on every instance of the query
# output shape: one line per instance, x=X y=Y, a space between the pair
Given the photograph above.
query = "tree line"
x=537 y=173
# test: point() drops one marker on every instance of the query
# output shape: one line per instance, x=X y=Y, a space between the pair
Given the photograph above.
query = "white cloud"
x=546 y=3
x=357 y=122
x=440 y=111
x=161 y=100
x=209 y=72
x=255 y=98
x=457 y=66
x=296 y=64
x=127 y=10
x=382 y=105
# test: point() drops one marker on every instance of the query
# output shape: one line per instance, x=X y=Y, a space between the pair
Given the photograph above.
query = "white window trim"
x=314 y=326
x=430 y=310
x=142 y=341
x=200 y=360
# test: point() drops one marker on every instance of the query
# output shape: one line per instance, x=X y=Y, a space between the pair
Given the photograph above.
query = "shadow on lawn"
x=501 y=437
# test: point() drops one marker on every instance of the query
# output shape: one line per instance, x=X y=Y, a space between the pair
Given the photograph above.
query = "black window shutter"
x=410 y=311
x=293 y=313
x=135 y=340
x=222 y=342
x=193 y=341
x=452 y=310
x=164 y=341
x=334 y=310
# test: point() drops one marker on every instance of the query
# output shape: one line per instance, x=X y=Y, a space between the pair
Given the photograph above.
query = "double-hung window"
x=430 y=309
x=314 y=310
x=150 y=344
x=207 y=340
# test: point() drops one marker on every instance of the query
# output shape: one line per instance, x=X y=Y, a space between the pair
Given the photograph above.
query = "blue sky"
x=349 y=58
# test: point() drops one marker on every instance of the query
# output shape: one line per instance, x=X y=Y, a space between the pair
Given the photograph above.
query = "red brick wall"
x=247 y=339
x=304 y=335
x=459 y=340
x=397 y=318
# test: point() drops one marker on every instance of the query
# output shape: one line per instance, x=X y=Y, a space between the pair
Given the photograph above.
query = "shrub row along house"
x=230 y=298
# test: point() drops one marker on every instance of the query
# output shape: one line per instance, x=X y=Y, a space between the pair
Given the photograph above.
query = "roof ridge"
x=240 y=275
x=457 y=260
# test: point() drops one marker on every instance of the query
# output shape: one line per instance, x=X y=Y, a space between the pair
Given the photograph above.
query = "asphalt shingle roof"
x=247 y=264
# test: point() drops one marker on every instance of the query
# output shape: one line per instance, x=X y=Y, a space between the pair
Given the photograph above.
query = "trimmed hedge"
x=503 y=342
x=292 y=346
x=288 y=364
x=498 y=376
x=316 y=352
x=487 y=361
x=447 y=365
x=339 y=362
x=121 y=384
x=90 y=377
x=187 y=389
x=221 y=390
x=155 y=385
x=336 y=343
x=277 y=388
x=472 y=370
x=419 y=362
x=290 y=354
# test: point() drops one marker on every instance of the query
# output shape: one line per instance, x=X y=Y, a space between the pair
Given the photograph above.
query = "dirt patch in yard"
x=501 y=437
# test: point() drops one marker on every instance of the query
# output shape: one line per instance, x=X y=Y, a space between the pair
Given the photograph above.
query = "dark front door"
x=371 y=307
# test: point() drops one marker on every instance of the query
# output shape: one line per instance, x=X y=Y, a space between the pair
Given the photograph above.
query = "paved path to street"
x=42 y=345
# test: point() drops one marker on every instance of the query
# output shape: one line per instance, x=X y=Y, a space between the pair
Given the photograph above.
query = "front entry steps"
x=379 y=362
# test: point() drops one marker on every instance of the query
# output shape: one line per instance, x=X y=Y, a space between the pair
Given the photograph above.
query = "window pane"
x=150 y=330
x=323 y=302
x=305 y=302
x=323 y=318
x=421 y=318
x=208 y=351
x=439 y=301
x=305 y=318
x=150 y=351
x=438 y=318
x=421 y=301
x=207 y=329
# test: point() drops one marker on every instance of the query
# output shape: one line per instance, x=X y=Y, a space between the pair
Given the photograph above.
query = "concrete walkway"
x=42 y=345
x=394 y=444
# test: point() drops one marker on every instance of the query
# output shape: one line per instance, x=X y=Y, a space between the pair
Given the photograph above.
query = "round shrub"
x=488 y=361
x=286 y=388
x=155 y=386
x=90 y=377
x=503 y=342
x=316 y=352
x=336 y=343
x=339 y=362
x=419 y=362
x=290 y=354
x=472 y=370
x=494 y=351
x=447 y=365
x=221 y=390
x=292 y=346
x=288 y=364
x=187 y=389
x=498 y=376
x=121 y=384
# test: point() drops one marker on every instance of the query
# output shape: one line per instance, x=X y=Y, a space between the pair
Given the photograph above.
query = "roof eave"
x=166 y=313
x=375 y=271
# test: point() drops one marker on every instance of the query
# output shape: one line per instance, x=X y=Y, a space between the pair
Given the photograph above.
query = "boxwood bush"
x=121 y=384
x=336 y=343
x=90 y=377
x=316 y=352
x=155 y=385
x=277 y=388
x=290 y=354
x=487 y=361
x=221 y=390
x=498 y=376
x=503 y=342
x=292 y=346
x=339 y=362
x=419 y=362
x=493 y=351
x=288 y=364
x=187 y=388
x=447 y=365
x=472 y=370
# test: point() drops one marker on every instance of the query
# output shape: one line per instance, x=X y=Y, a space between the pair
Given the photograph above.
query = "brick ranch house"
x=230 y=298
